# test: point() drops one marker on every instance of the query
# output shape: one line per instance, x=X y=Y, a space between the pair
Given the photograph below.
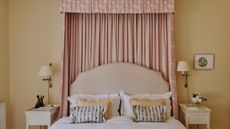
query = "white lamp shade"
x=45 y=71
x=183 y=66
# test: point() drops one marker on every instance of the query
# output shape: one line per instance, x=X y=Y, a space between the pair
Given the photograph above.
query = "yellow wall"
x=203 y=26
x=4 y=53
x=35 y=39
x=4 y=50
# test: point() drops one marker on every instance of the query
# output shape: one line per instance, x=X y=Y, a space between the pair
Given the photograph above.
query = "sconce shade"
x=45 y=71
x=183 y=66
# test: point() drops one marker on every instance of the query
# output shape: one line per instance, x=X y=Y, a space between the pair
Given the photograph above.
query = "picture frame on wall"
x=204 y=61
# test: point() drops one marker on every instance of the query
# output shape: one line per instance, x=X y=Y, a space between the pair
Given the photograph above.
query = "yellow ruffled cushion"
x=95 y=102
x=147 y=102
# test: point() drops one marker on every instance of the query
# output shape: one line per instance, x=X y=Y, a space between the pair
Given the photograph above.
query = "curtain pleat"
x=91 y=40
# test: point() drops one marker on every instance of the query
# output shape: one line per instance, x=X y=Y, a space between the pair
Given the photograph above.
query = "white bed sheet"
x=120 y=122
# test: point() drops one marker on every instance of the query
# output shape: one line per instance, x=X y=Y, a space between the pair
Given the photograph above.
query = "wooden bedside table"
x=44 y=116
x=194 y=115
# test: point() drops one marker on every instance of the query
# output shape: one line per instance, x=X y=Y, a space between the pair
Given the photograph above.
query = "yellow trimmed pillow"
x=95 y=102
x=147 y=102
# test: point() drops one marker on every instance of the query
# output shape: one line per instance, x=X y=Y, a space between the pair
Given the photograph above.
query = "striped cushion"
x=149 y=113
x=88 y=114
x=95 y=102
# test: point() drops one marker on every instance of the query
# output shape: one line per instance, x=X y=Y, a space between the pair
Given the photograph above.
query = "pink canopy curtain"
x=91 y=40
x=117 y=6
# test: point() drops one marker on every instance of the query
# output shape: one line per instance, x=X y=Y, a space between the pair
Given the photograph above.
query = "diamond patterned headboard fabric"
x=112 y=78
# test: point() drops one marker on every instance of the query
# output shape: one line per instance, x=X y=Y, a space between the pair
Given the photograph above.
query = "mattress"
x=121 y=122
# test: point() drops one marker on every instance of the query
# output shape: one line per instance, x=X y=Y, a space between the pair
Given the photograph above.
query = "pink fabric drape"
x=117 y=6
x=95 y=39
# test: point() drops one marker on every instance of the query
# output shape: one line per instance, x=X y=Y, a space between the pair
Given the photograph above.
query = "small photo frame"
x=204 y=61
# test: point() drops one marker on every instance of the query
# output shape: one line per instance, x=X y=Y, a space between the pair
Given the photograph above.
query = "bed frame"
x=116 y=77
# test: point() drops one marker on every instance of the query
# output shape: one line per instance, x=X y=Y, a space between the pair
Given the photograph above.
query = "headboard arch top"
x=116 y=77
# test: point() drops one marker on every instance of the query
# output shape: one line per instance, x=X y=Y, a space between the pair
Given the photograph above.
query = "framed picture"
x=204 y=61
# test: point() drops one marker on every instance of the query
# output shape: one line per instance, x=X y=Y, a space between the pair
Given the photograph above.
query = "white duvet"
x=120 y=122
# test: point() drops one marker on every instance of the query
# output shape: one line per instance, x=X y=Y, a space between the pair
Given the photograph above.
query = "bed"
x=113 y=78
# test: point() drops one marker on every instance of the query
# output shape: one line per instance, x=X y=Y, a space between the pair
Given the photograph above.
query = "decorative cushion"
x=126 y=108
x=96 y=102
x=88 y=114
x=165 y=96
x=147 y=102
x=114 y=97
x=149 y=113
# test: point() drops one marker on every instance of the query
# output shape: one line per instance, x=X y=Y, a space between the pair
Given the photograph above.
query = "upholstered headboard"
x=112 y=78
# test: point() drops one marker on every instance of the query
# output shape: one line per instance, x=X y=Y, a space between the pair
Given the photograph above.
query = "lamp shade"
x=183 y=66
x=45 y=71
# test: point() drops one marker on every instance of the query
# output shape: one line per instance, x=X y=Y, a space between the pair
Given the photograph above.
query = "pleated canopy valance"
x=117 y=6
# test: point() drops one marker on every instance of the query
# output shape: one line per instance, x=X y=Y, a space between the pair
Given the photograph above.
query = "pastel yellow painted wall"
x=4 y=53
x=35 y=39
x=203 y=26
x=4 y=49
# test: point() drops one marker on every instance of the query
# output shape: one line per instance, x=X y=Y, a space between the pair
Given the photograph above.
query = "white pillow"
x=115 y=97
x=126 y=108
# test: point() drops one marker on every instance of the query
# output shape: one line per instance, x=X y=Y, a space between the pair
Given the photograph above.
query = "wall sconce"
x=183 y=67
x=45 y=73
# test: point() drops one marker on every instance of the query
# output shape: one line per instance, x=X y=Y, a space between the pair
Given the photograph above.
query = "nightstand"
x=44 y=116
x=194 y=115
